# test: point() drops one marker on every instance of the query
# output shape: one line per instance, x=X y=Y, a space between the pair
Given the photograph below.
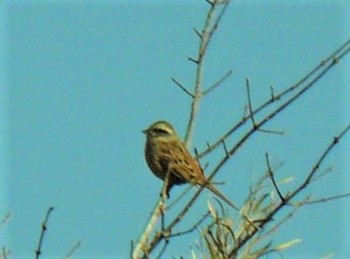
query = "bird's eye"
x=161 y=131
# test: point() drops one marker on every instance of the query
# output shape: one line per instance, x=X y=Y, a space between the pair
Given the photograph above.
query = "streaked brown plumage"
x=165 y=153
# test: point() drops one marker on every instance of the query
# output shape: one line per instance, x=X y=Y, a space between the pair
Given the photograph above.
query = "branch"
x=205 y=40
x=250 y=108
x=317 y=72
x=73 y=250
x=273 y=178
x=218 y=83
x=194 y=227
x=327 y=199
x=43 y=231
x=182 y=87
x=5 y=219
x=292 y=195
x=321 y=159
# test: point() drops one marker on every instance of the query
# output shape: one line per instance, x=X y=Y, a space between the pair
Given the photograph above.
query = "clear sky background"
x=79 y=81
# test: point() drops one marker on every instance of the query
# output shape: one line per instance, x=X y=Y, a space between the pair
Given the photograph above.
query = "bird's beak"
x=145 y=131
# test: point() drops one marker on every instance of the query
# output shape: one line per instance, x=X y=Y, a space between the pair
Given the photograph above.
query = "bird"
x=167 y=156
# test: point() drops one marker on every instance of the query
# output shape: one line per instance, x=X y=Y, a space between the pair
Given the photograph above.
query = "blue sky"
x=80 y=81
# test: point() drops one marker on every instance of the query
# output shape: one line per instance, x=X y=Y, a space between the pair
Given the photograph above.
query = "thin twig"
x=179 y=197
x=327 y=199
x=162 y=250
x=5 y=219
x=277 y=132
x=73 y=250
x=251 y=113
x=272 y=93
x=321 y=159
x=218 y=83
x=225 y=148
x=182 y=87
x=322 y=174
x=209 y=29
x=38 y=251
x=194 y=227
x=273 y=178
x=193 y=60
x=198 y=33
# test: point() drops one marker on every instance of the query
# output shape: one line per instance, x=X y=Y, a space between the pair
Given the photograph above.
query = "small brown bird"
x=165 y=153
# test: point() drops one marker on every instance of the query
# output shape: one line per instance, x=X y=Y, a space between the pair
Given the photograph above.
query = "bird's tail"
x=213 y=189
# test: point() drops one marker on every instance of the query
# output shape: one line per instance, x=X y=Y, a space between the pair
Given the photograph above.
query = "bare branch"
x=218 y=83
x=73 y=250
x=272 y=93
x=194 y=227
x=316 y=73
x=210 y=26
x=5 y=219
x=320 y=161
x=43 y=231
x=328 y=199
x=210 y=2
x=320 y=175
x=225 y=148
x=291 y=195
x=198 y=33
x=162 y=250
x=273 y=178
x=179 y=197
x=251 y=113
x=193 y=60
x=182 y=87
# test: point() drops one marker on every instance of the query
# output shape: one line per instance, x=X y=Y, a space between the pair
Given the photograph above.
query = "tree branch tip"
x=225 y=148
x=193 y=60
x=277 y=132
x=272 y=93
x=198 y=33
x=210 y=3
x=183 y=88
x=219 y=82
